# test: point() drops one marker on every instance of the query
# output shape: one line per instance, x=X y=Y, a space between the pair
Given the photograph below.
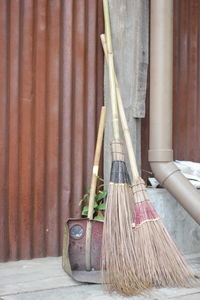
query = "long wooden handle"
x=96 y=162
x=115 y=118
x=93 y=188
x=124 y=122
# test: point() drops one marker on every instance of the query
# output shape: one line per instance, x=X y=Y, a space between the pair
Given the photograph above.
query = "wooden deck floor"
x=44 y=279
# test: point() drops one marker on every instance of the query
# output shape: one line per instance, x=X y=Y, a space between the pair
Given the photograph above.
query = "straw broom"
x=118 y=257
x=157 y=259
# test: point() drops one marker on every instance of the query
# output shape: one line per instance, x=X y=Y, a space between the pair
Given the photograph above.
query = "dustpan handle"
x=93 y=188
x=96 y=162
x=124 y=123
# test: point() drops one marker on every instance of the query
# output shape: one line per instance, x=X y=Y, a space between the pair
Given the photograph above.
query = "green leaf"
x=85 y=210
x=84 y=213
x=101 y=195
x=98 y=218
x=95 y=204
x=102 y=206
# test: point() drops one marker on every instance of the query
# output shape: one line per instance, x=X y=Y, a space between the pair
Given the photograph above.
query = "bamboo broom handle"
x=96 y=161
x=93 y=188
x=124 y=123
x=115 y=118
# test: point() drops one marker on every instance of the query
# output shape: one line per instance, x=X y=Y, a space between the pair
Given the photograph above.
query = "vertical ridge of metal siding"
x=13 y=136
x=90 y=95
x=39 y=129
x=3 y=129
x=79 y=48
x=26 y=106
x=100 y=69
x=51 y=85
x=66 y=130
x=52 y=142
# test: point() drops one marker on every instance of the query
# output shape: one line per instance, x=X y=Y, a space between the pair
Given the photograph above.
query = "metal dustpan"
x=81 y=257
x=74 y=250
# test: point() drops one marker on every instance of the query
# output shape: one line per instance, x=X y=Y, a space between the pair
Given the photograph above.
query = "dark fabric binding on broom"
x=119 y=173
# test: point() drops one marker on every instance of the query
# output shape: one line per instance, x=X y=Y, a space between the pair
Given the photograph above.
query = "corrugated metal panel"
x=51 y=86
x=186 y=92
x=187 y=80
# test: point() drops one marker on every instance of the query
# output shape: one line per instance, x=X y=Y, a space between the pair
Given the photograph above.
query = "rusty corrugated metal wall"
x=187 y=80
x=186 y=89
x=51 y=92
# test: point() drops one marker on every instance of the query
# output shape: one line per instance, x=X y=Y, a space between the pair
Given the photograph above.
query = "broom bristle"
x=162 y=264
x=118 y=256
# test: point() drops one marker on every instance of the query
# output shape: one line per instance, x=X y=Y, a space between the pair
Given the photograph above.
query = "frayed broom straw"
x=158 y=261
x=118 y=258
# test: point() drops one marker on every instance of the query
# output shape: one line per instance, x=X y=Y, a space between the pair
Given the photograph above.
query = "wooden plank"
x=141 y=34
x=130 y=28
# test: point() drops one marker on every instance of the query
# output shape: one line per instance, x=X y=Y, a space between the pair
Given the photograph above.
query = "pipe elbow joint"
x=170 y=177
x=162 y=165
x=163 y=170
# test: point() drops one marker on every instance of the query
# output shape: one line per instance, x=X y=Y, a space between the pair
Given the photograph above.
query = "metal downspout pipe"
x=161 y=71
